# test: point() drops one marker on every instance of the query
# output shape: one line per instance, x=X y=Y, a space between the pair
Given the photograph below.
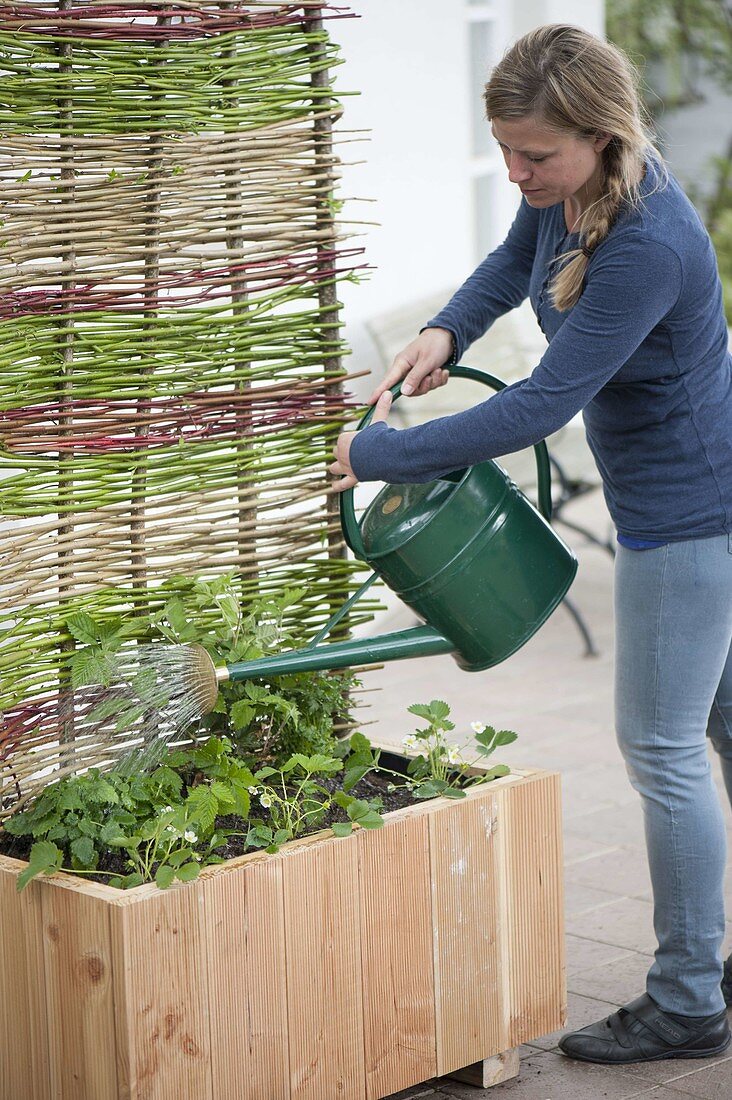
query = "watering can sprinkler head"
x=204 y=678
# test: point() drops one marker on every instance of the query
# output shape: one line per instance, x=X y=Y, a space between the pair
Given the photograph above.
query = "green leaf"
x=436 y=712
x=101 y=791
x=135 y=879
x=259 y=836
x=202 y=805
x=497 y=772
x=361 y=811
x=453 y=792
x=354 y=775
x=145 y=685
x=127 y=720
x=45 y=858
x=342 y=828
x=421 y=710
x=164 y=876
x=264 y=773
x=88 y=667
x=175 y=613
x=84 y=852
x=324 y=765
x=112 y=834
x=83 y=628
x=431 y=788
x=297 y=760
x=175 y=859
x=108 y=707
x=224 y=795
x=242 y=798
x=188 y=872
x=360 y=745
x=242 y=714
x=70 y=798
x=505 y=737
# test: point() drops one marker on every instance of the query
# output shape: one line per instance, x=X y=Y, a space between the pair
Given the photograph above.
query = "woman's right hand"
x=421 y=365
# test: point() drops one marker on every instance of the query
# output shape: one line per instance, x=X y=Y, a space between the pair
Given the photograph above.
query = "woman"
x=623 y=279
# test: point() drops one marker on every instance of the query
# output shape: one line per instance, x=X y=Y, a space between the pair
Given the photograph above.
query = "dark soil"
x=372 y=786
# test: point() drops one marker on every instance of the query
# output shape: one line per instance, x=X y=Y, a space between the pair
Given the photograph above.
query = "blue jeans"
x=673 y=686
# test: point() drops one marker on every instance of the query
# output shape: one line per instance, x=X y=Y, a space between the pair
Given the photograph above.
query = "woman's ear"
x=601 y=140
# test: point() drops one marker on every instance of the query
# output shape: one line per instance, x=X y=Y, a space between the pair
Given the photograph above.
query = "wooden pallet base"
x=491 y=1071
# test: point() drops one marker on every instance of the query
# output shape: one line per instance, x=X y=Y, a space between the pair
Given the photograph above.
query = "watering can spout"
x=419 y=641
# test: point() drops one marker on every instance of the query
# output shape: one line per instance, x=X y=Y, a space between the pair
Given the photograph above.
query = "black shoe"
x=727 y=983
x=641 y=1032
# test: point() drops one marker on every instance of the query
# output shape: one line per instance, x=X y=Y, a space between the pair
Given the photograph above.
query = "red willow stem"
x=165 y=422
x=84 y=297
x=195 y=22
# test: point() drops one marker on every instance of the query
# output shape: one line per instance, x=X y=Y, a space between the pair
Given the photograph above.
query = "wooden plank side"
x=79 y=995
x=161 y=996
x=398 y=965
x=535 y=907
x=471 y=1003
x=323 y=965
x=24 y=1073
x=245 y=947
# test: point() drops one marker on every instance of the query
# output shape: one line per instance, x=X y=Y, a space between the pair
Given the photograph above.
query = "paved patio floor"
x=560 y=704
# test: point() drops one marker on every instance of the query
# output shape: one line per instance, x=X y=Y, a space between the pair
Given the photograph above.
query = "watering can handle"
x=349 y=523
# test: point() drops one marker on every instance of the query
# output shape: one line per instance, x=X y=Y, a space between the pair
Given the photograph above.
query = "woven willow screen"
x=170 y=353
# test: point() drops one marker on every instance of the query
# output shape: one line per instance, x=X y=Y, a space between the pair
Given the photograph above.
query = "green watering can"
x=468 y=553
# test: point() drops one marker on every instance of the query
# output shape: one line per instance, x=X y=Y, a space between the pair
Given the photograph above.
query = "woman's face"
x=549 y=167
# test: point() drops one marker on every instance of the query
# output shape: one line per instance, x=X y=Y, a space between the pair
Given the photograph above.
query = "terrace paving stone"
x=619 y=981
x=583 y=953
x=619 y=871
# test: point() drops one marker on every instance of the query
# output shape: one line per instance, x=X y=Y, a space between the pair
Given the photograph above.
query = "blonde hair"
x=573 y=82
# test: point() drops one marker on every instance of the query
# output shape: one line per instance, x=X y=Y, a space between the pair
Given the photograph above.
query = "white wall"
x=406 y=59
x=526 y=14
x=410 y=61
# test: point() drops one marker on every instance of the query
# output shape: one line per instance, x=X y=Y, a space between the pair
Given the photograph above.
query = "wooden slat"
x=23 y=1022
x=161 y=980
x=79 y=995
x=534 y=907
x=323 y=962
x=470 y=942
x=398 y=967
x=245 y=948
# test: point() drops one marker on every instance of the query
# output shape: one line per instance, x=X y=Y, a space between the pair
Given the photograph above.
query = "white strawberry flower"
x=266 y=801
x=410 y=741
x=190 y=836
x=477 y=727
x=454 y=755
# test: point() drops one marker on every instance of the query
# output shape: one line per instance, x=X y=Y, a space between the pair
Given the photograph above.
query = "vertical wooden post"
x=151 y=276
x=65 y=392
x=326 y=243
x=247 y=504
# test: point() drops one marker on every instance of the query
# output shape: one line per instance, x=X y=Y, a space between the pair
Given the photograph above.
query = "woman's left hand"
x=342 y=466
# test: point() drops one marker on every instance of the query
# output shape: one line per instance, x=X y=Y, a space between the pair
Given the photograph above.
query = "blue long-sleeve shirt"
x=643 y=353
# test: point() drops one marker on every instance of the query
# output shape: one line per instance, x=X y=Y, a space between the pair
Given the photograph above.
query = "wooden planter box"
x=338 y=969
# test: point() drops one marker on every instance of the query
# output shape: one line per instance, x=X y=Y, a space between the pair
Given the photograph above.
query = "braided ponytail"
x=574 y=82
